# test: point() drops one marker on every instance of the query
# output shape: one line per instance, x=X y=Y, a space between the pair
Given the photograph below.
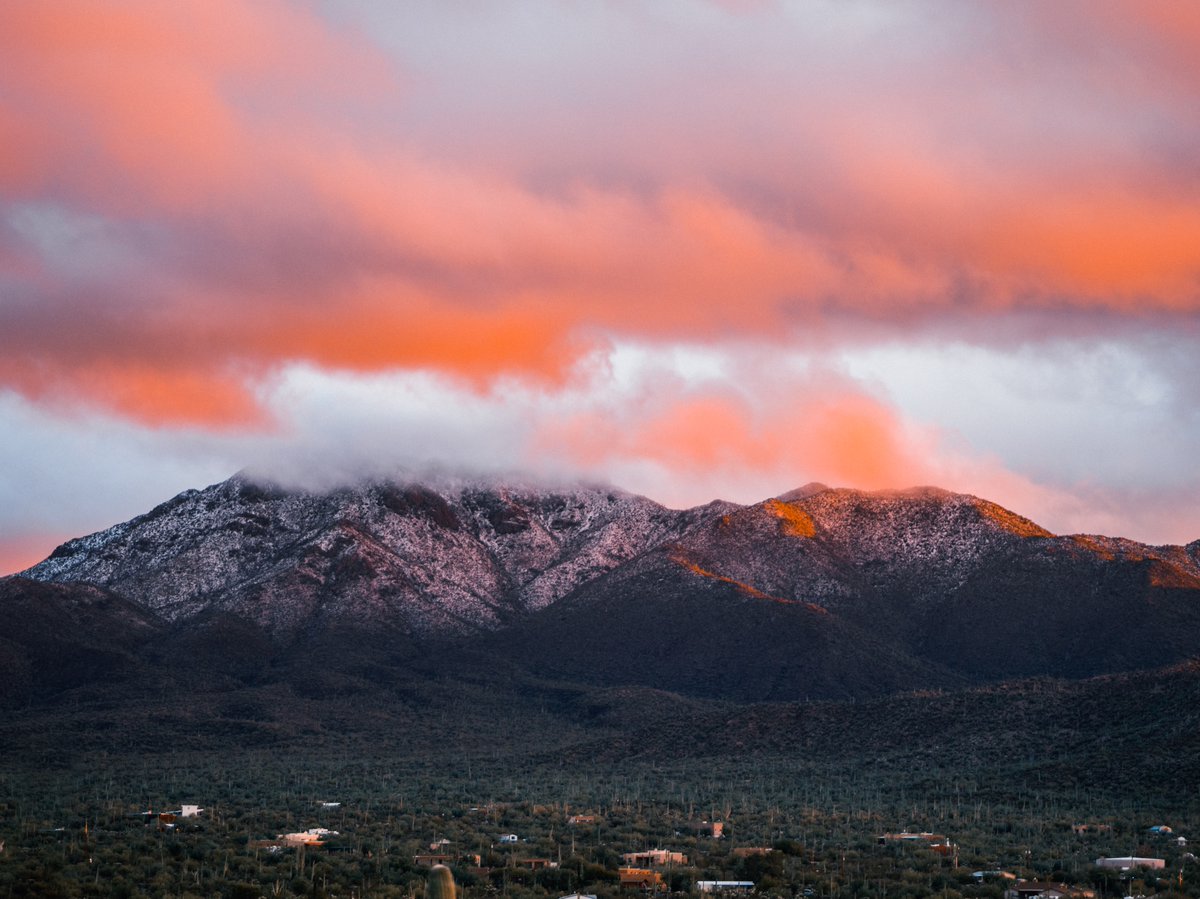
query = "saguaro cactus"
x=440 y=884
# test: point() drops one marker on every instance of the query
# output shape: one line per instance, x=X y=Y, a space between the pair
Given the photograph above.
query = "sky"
x=696 y=249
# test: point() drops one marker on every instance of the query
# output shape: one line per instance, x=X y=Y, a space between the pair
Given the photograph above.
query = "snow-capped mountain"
x=469 y=557
x=818 y=592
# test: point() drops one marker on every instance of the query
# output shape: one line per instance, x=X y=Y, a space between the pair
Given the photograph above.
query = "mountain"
x=1131 y=734
x=839 y=593
x=57 y=636
x=398 y=556
x=816 y=594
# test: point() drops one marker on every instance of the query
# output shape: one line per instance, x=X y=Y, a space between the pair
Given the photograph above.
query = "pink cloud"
x=20 y=551
x=762 y=431
x=265 y=209
x=139 y=108
x=687 y=446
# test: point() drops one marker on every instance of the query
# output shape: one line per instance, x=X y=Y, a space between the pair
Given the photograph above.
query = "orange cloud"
x=155 y=394
x=811 y=429
x=142 y=107
x=265 y=205
x=687 y=445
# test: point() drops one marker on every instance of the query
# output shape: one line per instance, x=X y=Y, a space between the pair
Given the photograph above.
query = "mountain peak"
x=459 y=555
x=814 y=592
x=810 y=489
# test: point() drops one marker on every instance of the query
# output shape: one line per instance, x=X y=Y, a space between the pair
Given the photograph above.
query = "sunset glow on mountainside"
x=696 y=249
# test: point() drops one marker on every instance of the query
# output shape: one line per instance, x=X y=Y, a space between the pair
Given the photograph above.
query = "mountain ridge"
x=819 y=593
x=507 y=546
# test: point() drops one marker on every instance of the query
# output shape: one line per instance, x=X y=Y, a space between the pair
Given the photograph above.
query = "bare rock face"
x=819 y=592
x=467 y=558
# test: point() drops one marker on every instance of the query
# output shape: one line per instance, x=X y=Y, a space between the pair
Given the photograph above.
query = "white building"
x=1126 y=862
x=314 y=836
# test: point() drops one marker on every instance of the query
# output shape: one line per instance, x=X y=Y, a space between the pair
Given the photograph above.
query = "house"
x=1036 y=889
x=639 y=878
x=314 y=836
x=189 y=811
x=507 y=838
x=1125 y=862
x=429 y=859
x=904 y=836
x=653 y=858
x=936 y=842
x=725 y=886
x=714 y=829
x=536 y=864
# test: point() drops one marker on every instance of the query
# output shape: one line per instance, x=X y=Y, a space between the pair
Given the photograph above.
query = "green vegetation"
x=397 y=762
x=75 y=830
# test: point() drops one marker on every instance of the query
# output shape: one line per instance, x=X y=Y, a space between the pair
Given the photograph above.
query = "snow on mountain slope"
x=468 y=557
x=943 y=576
